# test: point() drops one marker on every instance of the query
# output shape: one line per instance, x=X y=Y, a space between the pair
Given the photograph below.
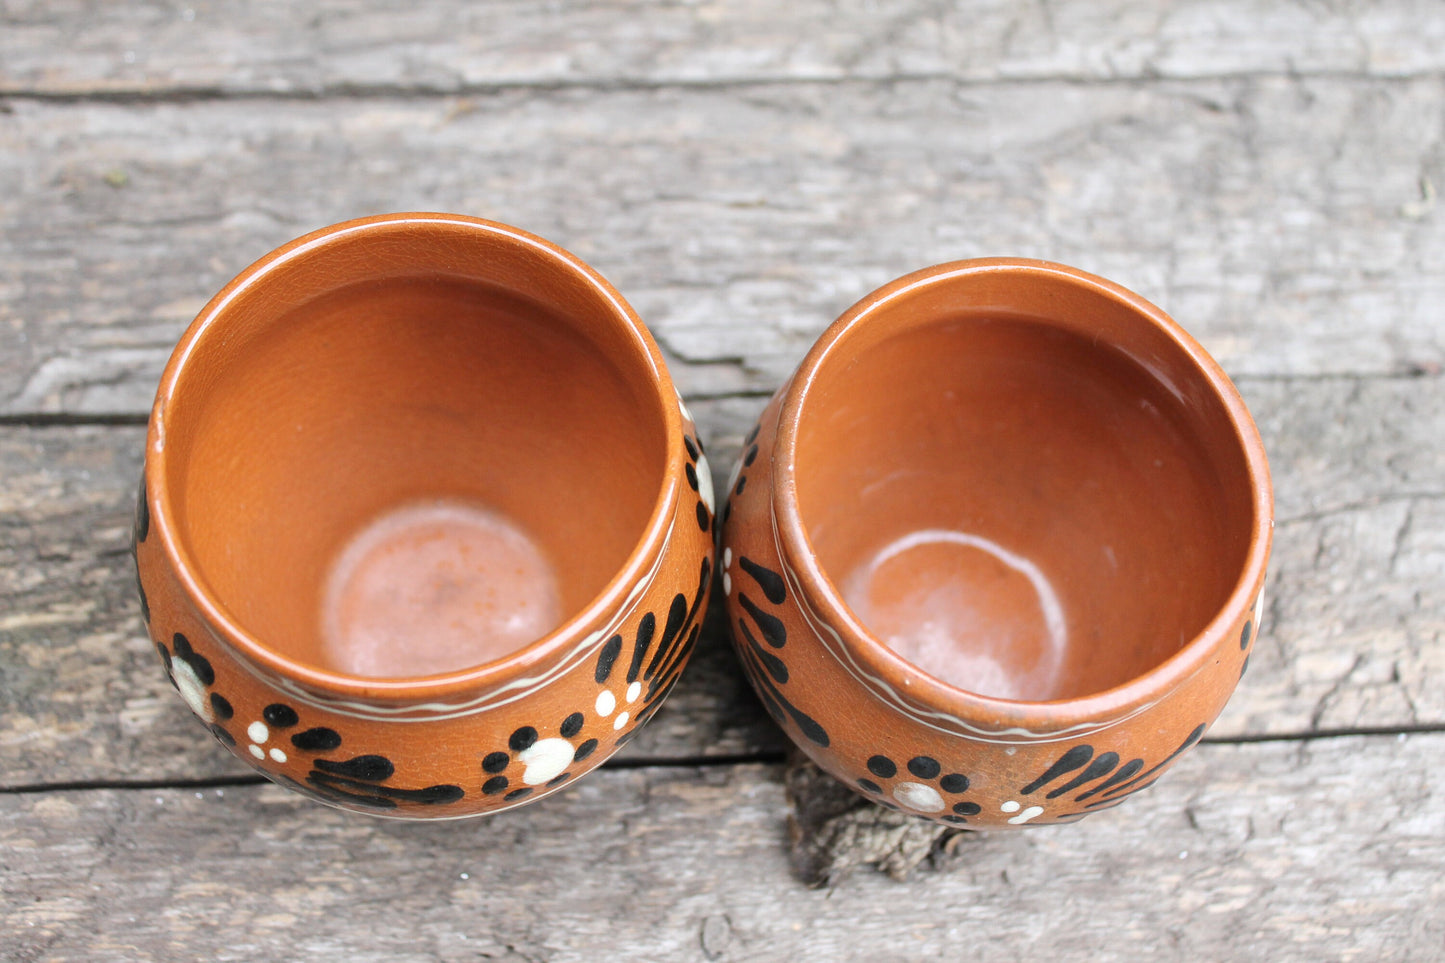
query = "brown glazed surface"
x=420 y=531
x=995 y=554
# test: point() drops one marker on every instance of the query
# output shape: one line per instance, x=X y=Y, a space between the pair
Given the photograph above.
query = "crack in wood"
x=400 y=91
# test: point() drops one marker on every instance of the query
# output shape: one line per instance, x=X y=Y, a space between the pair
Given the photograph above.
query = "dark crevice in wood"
x=699 y=762
x=691 y=762
x=1413 y=372
x=1345 y=732
x=85 y=785
x=66 y=419
x=50 y=419
x=1372 y=502
x=223 y=782
x=134 y=96
x=355 y=91
x=131 y=419
x=728 y=395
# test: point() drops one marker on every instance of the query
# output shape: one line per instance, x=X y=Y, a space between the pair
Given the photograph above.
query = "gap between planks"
x=132 y=419
x=140 y=96
x=692 y=762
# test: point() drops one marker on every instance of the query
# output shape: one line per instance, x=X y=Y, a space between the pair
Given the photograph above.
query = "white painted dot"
x=545 y=759
x=606 y=702
x=278 y=755
x=633 y=691
x=1026 y=815
x=1010 y=807
x=727 y=558
x=918 y=797
x=258 y=732
x=620 y=721
x=192 y=689
x=727 y=584
x=704 y=481
x=257 y=751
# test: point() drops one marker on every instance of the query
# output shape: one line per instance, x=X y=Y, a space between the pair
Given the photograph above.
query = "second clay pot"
x=995 y=554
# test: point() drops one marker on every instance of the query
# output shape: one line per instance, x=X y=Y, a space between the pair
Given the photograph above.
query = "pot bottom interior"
x=926 y=592
x=432 y=587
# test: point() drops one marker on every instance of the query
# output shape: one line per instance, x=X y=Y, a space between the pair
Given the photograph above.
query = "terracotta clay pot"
x=425 y=529
x=994 y=554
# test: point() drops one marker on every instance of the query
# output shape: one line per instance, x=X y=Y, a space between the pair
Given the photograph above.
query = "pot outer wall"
x=975 y=773
x=469 y=754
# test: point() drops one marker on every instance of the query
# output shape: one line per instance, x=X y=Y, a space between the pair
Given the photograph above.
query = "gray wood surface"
x=1279 y=218
x=1259 y=852
x=336 y=46
x=742 y=171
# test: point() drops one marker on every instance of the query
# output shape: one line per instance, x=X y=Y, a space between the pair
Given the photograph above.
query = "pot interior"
x=407 y=474
x=1018 y=507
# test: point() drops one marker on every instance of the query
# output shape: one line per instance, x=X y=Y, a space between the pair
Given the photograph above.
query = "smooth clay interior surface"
x=1017 y=510
x=411 y=476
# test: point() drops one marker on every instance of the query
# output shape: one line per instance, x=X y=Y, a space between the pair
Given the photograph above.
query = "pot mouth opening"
x=1019 y=491
x=436 y=369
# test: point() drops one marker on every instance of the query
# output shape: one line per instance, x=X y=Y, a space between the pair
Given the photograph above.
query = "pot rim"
x=601 y=610
x=1050 y=715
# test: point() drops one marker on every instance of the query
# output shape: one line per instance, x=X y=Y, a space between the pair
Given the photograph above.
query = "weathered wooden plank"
x=1355 y=623
x=1280 y=219
x=1292 y=852
x=1354 y=636
x=143 y=48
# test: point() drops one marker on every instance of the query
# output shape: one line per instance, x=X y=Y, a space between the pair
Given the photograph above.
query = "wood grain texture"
x=1268 y=851
x=234 y=48
x=1280 y=219
x=1353 y=637
x=1354 y=630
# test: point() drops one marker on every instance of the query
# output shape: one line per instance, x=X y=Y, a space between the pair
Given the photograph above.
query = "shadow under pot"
x=994 y=555
x=420 y=531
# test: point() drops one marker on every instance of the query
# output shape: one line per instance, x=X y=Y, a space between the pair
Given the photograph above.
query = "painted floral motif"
x=697 y=471
x=1249 y=632
x=543 y=761
x=699 y=479
x=650 y=670
x=358 y=781
x=635 y=671
x=1100 y=780
x=921 y=787
x=140 y=531
x=192 y=675
x=761 y=637
x=761 y=646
